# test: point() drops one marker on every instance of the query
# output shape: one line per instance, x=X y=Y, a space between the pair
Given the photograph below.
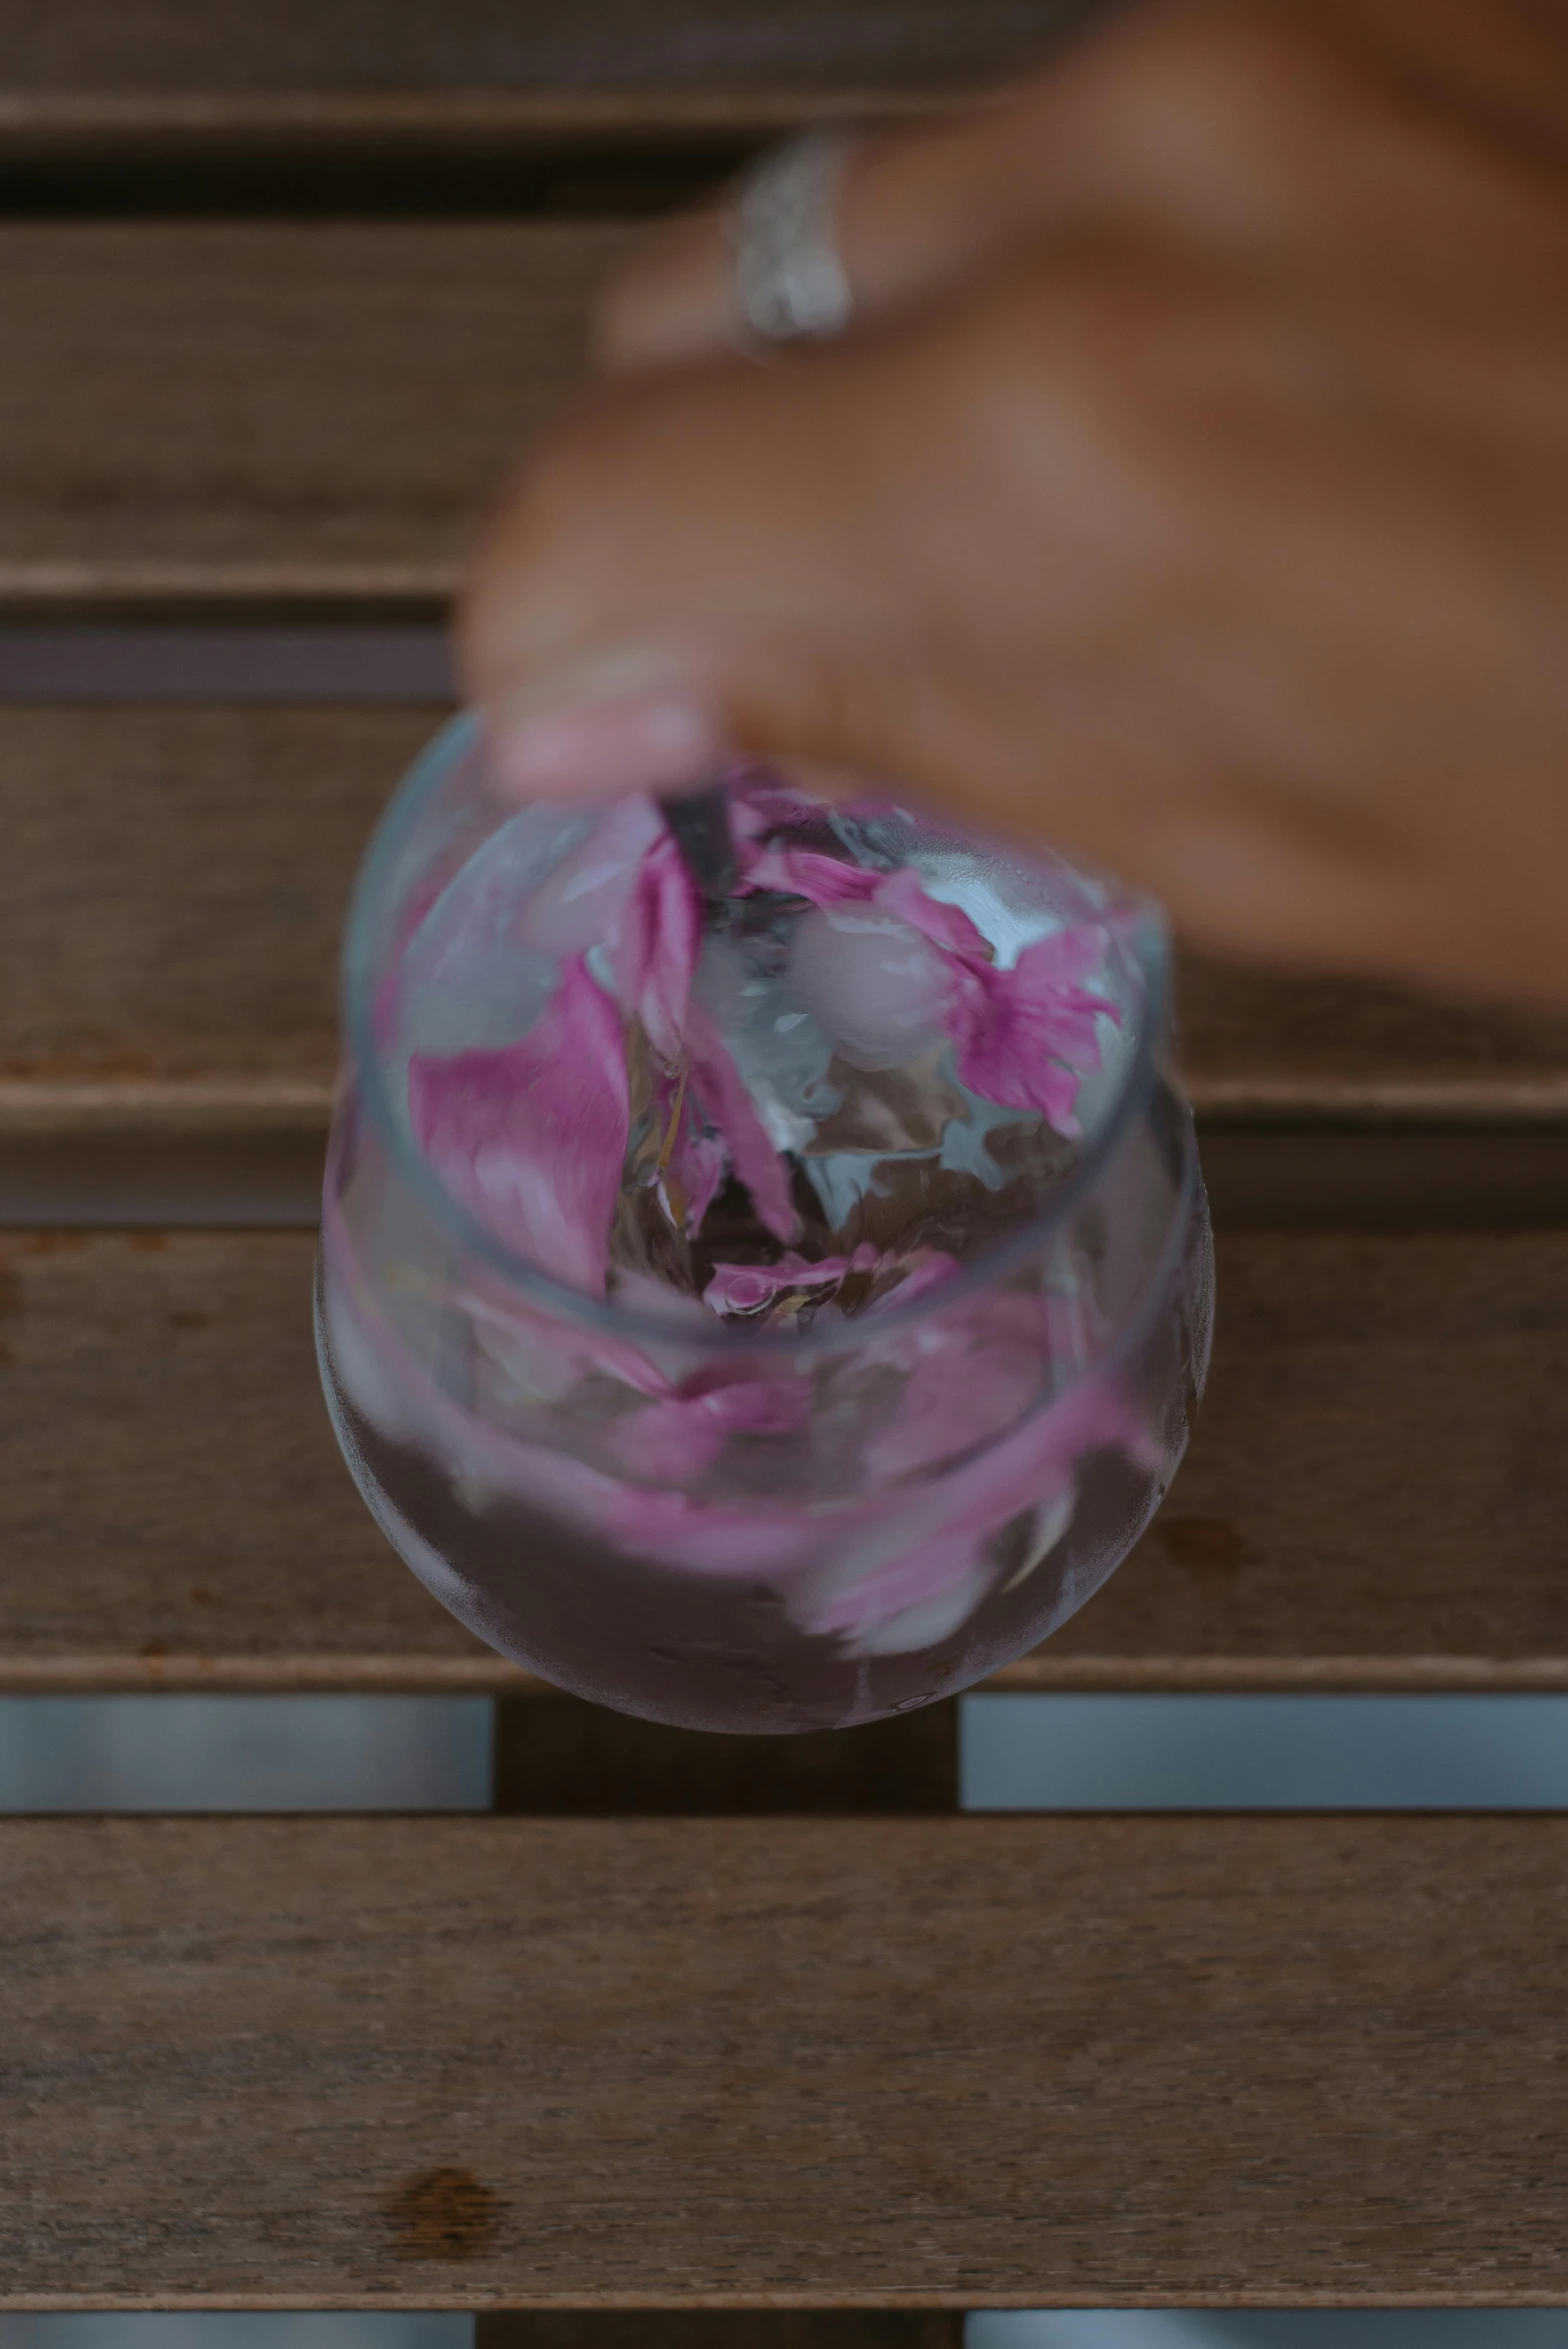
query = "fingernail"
x=639 y=742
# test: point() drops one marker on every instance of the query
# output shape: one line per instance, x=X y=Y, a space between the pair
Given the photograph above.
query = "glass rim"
x=360 y=980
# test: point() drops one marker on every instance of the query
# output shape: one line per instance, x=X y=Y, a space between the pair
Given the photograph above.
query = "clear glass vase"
x=658 y=1495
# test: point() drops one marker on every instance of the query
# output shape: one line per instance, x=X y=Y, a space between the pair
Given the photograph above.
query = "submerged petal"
x=948 y=926
x=737 y=1289
x=1025 y=1037
x=581 y=903
x=806 y=872
x=653 y=952
x=681 y=1435
x=731 y=1111
x=698 y=1165
x=531 y=1139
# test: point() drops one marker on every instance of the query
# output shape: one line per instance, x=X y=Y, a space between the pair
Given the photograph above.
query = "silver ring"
x=789 y=279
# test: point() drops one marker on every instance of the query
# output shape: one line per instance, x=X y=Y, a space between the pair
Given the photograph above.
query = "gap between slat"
x=556 y=1757
x=104 y=1158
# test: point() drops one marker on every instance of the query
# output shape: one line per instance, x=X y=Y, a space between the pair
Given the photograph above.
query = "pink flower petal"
x=805 y=872
x=543 y=1358
x=748 y=1288
x=654 y=951
x=743 y=1289
x=730 y=1109
x=581 y=904
x=1038 y=1461
x=625 y=888
x=699 y=1538
x=760 y=801
x=913 y=1578
x=696 y=1161
x=1033 y=1468
x=948 y=926
x=967 y=1385
x=698 y=1164
x=1025 y=1037
x=926 y=1271
x=532 y=1138
x=679 y=1437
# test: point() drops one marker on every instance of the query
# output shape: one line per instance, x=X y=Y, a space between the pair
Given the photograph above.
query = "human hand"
x=1190 y=491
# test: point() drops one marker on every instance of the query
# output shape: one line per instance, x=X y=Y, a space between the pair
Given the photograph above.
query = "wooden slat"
x=161 y=61
x=1377 y=1492
x=1375 y=1496
x=458 y=2062
x=1262 y=1047
x=172 y=895
x=313 y=415
x=300 y=412
x=171 y=901
x=174 y=1511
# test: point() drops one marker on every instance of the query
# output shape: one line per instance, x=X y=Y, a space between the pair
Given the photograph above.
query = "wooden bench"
x=581 y=2067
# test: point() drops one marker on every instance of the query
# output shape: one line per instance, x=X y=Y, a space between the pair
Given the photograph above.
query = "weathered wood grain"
x=163 y=52
x=1375 y=1497
x=1267 y=1047
x=1378 y=1489
x=272 y=411
x=174 y=1510
x=459 y=2062
x=171 y=900
x=173 y=889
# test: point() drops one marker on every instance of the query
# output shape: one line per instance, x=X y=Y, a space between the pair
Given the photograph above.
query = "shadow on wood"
x=557 y=1757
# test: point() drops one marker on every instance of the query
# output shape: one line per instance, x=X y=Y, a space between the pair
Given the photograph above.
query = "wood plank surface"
x=174 y=1511
x=172 y=896
x=171 y=903
x=1262 y=1047
x=271 y=412
x=1377 y=1492
x=161 y=52
x=1376 y=1495
x=458 y=2062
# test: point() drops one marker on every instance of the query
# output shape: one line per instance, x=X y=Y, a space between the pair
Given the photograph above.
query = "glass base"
x=720 y=1652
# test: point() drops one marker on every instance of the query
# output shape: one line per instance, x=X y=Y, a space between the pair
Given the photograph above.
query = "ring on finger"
x=788 y=275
